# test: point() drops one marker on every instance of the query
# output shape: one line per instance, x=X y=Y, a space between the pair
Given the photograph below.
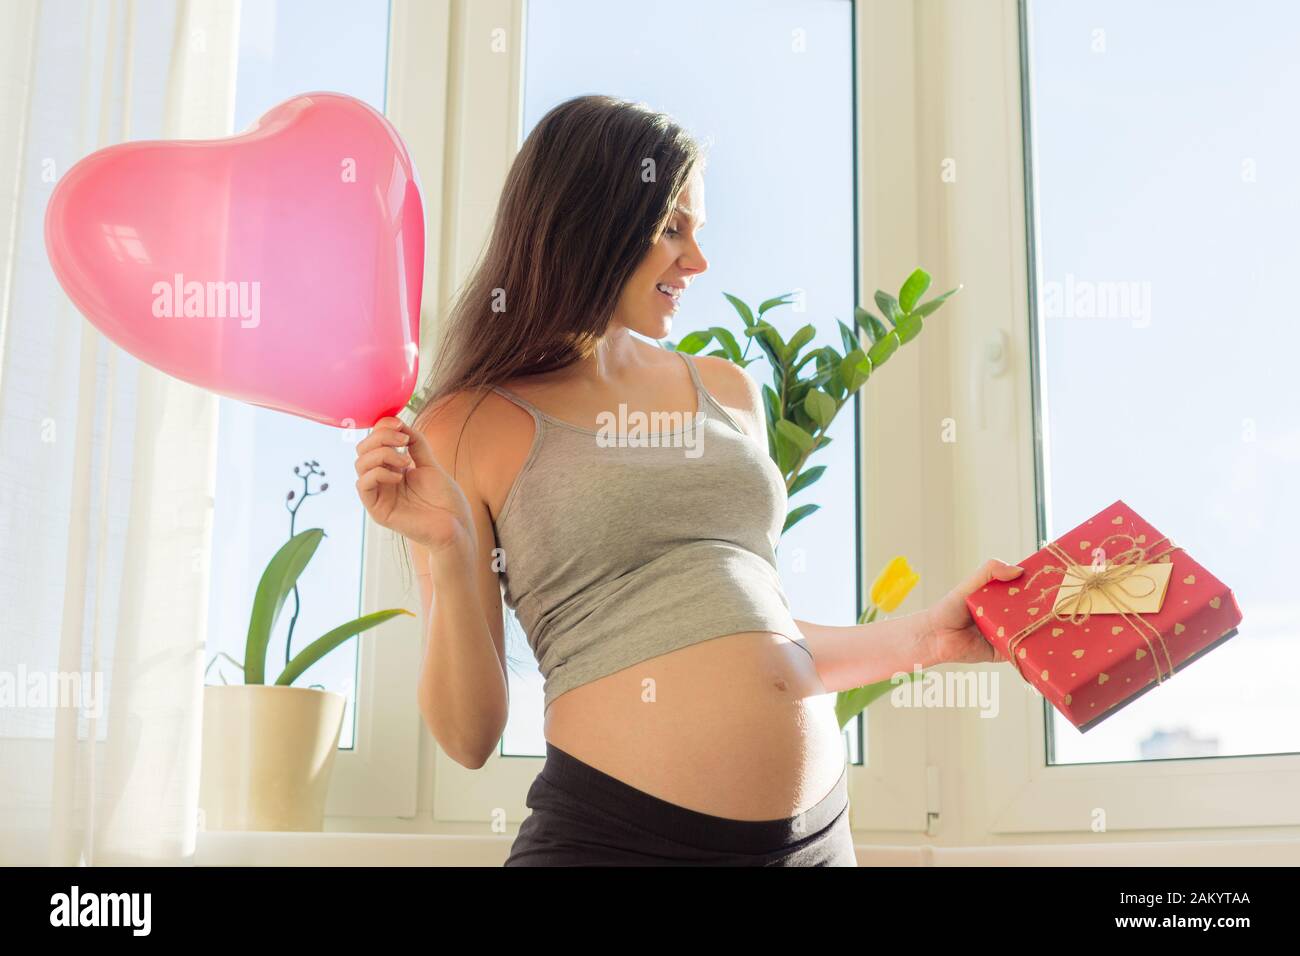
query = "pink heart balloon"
x=282 y=266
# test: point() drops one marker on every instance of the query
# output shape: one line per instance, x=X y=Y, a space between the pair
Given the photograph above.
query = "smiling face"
x=650 y=298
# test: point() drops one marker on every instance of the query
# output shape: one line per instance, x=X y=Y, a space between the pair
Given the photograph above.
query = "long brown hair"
x=586 y=197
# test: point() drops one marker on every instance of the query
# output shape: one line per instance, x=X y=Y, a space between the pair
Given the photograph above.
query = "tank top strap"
x=538 y=415
x=702 y=395
x=703 y=401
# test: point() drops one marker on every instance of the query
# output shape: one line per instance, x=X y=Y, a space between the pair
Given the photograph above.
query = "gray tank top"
x=617 y=549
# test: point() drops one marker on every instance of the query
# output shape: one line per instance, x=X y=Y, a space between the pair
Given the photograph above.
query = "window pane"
x=768 y=87
x=1165 y=206
x=289 y=47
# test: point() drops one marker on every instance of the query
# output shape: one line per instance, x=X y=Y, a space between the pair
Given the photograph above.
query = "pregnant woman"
x=689 y=719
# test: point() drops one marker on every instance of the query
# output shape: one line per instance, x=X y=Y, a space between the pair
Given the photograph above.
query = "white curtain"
x=106 y=465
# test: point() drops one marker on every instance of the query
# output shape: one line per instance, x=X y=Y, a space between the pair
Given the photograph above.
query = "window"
x=286 y=48
x=1164 y=209
x=939 y=147
x=768 y=87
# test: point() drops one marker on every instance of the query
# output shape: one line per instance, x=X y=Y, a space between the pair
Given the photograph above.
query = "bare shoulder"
x=485 y=437
x=735 y=389
x=449 y=425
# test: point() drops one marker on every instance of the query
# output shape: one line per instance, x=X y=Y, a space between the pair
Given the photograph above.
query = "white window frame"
x=970 y=68
x=473 y=142
x=944 y=776
x=892 y=795
x=379 y=776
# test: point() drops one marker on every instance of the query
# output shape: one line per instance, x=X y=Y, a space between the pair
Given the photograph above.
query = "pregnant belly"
x=738 y=726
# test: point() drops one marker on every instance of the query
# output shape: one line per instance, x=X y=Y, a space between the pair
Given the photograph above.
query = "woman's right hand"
x=409 y=491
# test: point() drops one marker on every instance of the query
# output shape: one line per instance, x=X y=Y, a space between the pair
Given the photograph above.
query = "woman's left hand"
x=952 y=637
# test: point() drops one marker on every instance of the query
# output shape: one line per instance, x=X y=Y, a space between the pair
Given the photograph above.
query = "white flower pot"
x=268 y=752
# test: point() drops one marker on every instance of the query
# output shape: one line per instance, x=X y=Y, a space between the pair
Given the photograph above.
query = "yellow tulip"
x=893 y=584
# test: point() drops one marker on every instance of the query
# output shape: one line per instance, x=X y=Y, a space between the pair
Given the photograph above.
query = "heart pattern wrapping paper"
x=1090 y=663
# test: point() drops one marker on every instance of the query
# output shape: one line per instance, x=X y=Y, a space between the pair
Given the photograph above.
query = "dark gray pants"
x=582 y=816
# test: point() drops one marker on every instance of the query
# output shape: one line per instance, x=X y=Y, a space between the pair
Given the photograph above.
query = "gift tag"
x=1143 y=591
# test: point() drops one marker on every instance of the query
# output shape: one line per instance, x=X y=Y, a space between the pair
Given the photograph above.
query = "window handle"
x=990 y=362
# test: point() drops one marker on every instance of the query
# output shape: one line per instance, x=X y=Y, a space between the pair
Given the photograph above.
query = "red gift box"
x=1107 y=636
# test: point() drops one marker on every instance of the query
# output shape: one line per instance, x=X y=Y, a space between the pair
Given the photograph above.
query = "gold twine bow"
x=1113 y=581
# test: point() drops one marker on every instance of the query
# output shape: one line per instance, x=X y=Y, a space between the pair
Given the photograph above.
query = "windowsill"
x=265 y=848
x=400 y=849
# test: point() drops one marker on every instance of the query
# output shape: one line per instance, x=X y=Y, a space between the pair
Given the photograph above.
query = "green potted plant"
x=268 y=749
x=800 y=409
